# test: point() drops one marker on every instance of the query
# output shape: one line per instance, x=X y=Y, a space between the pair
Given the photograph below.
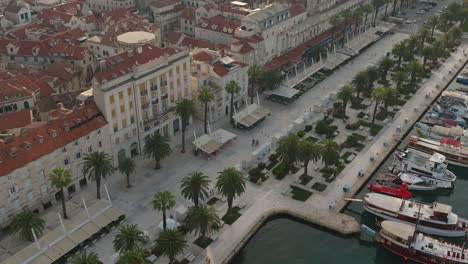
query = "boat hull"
x=418 y=256
x=432 y=151
x=420 y=227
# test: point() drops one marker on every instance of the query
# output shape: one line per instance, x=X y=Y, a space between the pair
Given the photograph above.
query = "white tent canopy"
x=214 y=141
x=285 y=92
x=250 y=115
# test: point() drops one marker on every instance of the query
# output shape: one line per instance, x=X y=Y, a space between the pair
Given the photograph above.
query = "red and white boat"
x=435 y=219
x=404 y=240
x=401 y=192
x=454 y=150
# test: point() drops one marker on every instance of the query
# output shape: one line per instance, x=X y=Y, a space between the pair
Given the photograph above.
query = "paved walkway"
x=136 y=202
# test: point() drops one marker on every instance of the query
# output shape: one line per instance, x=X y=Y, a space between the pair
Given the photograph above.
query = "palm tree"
x=137 y=256
x=127 y=167
x=97 y=165
x=85 y=258
x=128 y=238
x=357 y=14
x=377 y=4
x=399 y=51
x=163 y=201
x=433 y=22
x=426 y=52
x=308 y=150
x=157 y=147
x=390 y=96
x=230 y=183
x=232 y=88
x=330 y=152
x=272 y=79
x=288 y=150
x=345 y=95
x=347 y=14
x=334 y=21
x=372 y=76
x=394 y=7
x=202 y=220
x=206 y=96
x=414 y=68
x=378 y=95
x=61 y=178
x=195 y=186
x=399 y=77
x=171 y=243
x=360 y=82
x=367 y=9
x=185 y=109
x=385 y=65
x=254 y=73
x=423 y=36
x=24 y=222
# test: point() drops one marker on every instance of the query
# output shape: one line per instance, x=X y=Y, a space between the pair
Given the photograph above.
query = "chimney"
x=102 y=65
x=140 y=50
x=130 y=53
x=40 y=139
x=26 y=145
x=12 y=151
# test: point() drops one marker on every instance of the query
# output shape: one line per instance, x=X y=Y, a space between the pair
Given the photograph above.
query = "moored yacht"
x=438 y=132
x=432 y=170
x=404 y=240
x=436 y=219
x=453 y=150
x=412 y=181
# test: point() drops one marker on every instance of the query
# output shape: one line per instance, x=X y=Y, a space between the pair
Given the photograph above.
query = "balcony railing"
x=144 y=92
x=159 y=115
x=163 y=82
x=153 y=87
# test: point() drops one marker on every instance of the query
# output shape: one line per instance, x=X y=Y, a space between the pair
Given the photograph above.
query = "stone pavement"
x=136 y=202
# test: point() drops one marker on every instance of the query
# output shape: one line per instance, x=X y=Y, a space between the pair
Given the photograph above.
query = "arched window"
x=26 y=104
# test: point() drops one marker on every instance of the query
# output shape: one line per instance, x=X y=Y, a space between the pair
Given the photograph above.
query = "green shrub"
x=308 y=128
x=300 y=194
x=261 y=166
x=312 y=139
x=375 y=129
x=361 y=114
x=232 y=216
x=319 y=186
x=280 y=171
x=327 y=171
x=301 y=134
x=305 y=179
x=272 y=164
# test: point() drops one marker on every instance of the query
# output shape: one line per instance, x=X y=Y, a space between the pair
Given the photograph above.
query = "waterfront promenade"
x=136 y=202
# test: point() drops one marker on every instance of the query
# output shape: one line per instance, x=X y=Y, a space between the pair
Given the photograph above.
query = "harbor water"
x=285 y=240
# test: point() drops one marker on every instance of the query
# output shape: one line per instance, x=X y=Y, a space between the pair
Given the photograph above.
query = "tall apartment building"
x=137 y=91
x=210 y=68
x=27 y=159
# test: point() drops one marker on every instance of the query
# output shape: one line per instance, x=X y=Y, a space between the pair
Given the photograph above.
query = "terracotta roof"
x=200 y=43
x=112 y=30
x=296 y=9
x=14 y=154
x=173 y=36
x=164 y=3
x=222 y=70
x=246 y=48
x=188 y=13
x=51 y=17
x=73 y=8
x=14 y=6
x=26 y=47
x=219 y=24
x=20 y=32
x=15 y=119
x=202 y=56
x=122 y=64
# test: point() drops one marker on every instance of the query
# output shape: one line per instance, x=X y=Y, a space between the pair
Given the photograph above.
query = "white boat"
x=432 y=170
x=413 y=182
x=439 y=132
x=435 y=219
x=463 y=78
x=404 y=240
x=454 y=151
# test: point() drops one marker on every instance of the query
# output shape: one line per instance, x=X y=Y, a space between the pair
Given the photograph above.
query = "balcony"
x=163 y=82
x=145 y=106
x=153 y=87
x=144 y=92
x=164 y=96
x=159 y=116
x=155 y=100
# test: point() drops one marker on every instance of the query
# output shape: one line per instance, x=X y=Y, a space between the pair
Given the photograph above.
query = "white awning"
x=250 y=115
x=285 y=92
x=85 y=95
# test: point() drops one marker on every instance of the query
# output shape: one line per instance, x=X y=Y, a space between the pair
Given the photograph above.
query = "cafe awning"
x=285 y=92
x=251 y=115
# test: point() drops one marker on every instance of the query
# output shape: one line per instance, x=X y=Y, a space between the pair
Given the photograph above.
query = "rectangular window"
x=12 y=190
x=65 y=162
x=177 y=70
x=90 y=149
x=130 y=104
x=184 y=66
x=113 y=113
x=124 y=123
x=99 y=132
x=117 y=141
x=129 y=91
x=111 y=99
x=78 y=155
x=122 y=109
x=120 y=95
x=87 y=137
x=100 y=144
x=64 y=150
x=76 y=143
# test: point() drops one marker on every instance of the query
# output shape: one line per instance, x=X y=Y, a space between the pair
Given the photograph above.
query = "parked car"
x=421 y=12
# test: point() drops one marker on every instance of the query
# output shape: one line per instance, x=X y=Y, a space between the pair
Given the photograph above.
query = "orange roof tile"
x=15 y=119
x=42 y=141
x=202 y=56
